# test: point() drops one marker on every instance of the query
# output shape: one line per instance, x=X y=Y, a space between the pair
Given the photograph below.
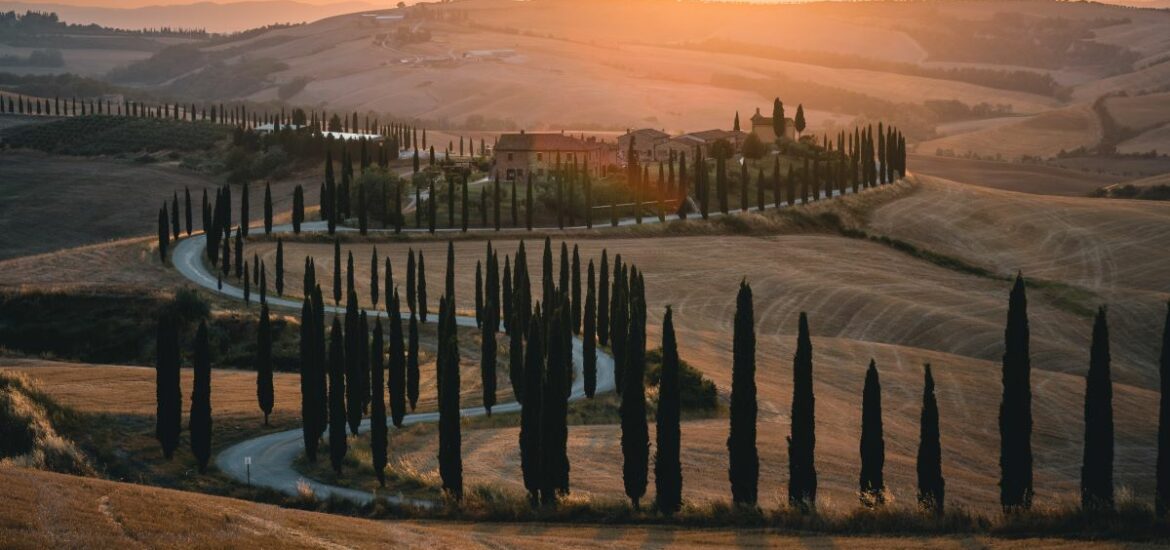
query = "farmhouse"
x=518 y=155
x=648 y=143
x=762 y=127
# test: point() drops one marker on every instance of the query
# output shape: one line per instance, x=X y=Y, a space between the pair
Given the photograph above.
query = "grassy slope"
x=52 y=510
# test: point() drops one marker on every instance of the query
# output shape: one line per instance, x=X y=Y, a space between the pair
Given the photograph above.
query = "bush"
x=696 y=393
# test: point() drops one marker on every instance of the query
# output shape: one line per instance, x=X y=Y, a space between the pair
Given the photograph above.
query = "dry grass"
x=1043 y=135
x=1012 y=176
x=53 y=510
x=30 y=437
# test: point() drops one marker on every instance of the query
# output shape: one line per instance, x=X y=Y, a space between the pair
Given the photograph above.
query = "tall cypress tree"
x=554 y=461
x=397 y=377
x=1097 y=468
x=744 y=465
x=189 y=218
x=164 y=237
x=1162 y=493
x=412 y=374
x=530 y=413
x=353 y=372
x=802 y=473
x=931 y=485
x=635 y=435
x=337 y=443
x=279 y=267
x=1015 y=411
x=336 y=271
x=245 y=211
x=175 y=229
x=450 y=438
x=422 y=288
x=410 y=284
x=487 y=356
x=589 y=338
x=310 y=416
x=873 y=444
x=267 y=208
x=575 y=285
x=169 y=412
x=667 y=467
x=200 y=422
x=603 y=300
x=264 y=392
x=378 y=429
x=478 y=294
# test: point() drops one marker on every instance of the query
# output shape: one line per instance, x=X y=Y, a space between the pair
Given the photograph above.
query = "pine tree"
x=530 y=409
x=337 y=442
x=873 y=445
x=200 y=422
x=802 y=473
x=264 y=392
x=931 y=485
x=169 y=413
x=397 y=377
x=589 y=338
x=1015 y=411
x=1162 y=493
x=667 y=467
x=744 y=466
x=378 y=429
x=1097 y=468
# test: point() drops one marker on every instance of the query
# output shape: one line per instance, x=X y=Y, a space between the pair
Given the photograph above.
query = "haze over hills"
x=212 y=16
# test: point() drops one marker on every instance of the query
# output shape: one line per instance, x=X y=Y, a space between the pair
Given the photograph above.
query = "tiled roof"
x=543 y=142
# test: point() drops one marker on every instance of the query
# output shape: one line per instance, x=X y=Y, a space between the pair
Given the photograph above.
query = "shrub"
x=696 y=393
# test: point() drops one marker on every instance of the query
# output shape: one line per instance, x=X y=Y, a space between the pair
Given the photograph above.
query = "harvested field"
x=1043 y=135
x=1012 y=176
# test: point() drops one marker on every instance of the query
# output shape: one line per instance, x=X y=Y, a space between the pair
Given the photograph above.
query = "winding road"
x=272 y=455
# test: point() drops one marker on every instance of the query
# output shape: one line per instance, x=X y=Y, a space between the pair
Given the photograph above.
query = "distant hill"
x=214 y=17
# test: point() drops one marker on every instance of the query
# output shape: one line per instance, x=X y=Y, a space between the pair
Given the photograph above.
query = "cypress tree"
x=516 y=355
x=410 y=284
x=451 y=200
x=279 y=267
x=175 y=230
x=412 y=374
x=667 y=467
x=337 y=443
x=374 y=278
x=873 y=445
x=506 y=300
x=164 y=237
x=635 y=435
x=1162 y=493
x=397 y=377
x=576 y=290
x=931 y=485
x=422 y=288
x=169 y=413
x=264 y=392
x=530 y=409
x=336 y=271
x=588 y=201
x=267 y=208
x=298 y=212
x=450 y=438
x=554 y=462
x=187 y=202
x=354 y=352
x=1015 y=410
x=1097 y=468
x=378 y=436
x=589 y=338
x=200 y=422
x=311 y=419
x=802 y=473
x=478 y=294
x=247 y=284
x=245 y=212
x=603 y=300
x=488 y=350
x=744 y=465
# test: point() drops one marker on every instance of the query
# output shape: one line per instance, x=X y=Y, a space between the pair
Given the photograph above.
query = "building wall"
x=511 y=164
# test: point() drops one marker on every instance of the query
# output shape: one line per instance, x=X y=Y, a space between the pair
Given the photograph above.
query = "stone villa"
x=518 y=155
